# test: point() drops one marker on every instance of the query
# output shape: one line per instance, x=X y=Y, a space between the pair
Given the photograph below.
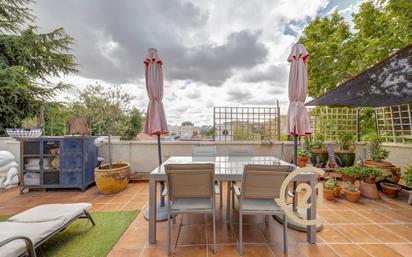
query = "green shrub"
x=331 y=184
x=303 y=153
x=407 y=176
x=346 y=140
x=351 y=187
x=349 y=171
x=364 y=172
x=378 y=153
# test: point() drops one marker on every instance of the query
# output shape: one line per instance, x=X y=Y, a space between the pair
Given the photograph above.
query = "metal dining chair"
x=209 y=151
x=259 y=188
x=191 y=191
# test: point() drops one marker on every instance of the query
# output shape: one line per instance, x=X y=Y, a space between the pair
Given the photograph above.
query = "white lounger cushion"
x=49 y=212
x=35 y=231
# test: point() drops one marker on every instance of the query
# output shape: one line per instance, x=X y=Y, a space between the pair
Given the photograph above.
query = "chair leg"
x=285 y=234
x=169 y=234
x=90 y=217
x=267 y=219
x=214 y=232
x=240 y=233
x=221 y=193
x=233 y=198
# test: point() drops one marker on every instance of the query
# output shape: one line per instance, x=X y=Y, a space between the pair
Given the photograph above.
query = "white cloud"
x=216 y=53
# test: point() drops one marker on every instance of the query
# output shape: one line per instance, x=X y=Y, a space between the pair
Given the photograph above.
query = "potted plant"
x=331 y=189
x=369 y=175
x=350 y=174
x=303 y=157
x=345 y=152
x=316 y=147
x=112 y=177
x=352 y=194
x=390 y=171
x=407 y=176
x=390 y=190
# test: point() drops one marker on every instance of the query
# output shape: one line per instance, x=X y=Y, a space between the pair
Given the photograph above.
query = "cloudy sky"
x=215 y=52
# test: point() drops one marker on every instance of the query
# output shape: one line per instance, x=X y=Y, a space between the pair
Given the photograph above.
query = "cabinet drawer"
x=72 y=178
x=72 y=146
x=71 y=162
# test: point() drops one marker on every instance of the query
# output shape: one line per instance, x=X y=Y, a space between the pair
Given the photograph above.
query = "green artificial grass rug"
x=82 y=239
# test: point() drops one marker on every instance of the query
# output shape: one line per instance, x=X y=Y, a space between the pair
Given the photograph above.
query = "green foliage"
x=337 y=53
x=351 y=187
x=331 y=184
x=27 y=59
x=109 y=110
x=302 y=153
x=346 y=140
x=364 y=172
x=14 y=14
x=315 y=142
x=56 y=118
x=378 y=153
x=407 y=176
x=352 y=171
x=134 y=125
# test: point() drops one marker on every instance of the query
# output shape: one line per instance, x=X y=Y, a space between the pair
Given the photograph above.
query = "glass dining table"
x=229 y=168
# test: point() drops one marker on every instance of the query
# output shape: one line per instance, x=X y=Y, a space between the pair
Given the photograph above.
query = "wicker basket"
x=24 y=133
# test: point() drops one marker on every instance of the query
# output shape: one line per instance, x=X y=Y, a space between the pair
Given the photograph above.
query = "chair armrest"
x=27 y=241
x=236 y=189
x=217 y=189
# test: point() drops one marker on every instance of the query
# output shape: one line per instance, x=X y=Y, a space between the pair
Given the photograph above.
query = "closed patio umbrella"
x=155 y=123
x=298 y=119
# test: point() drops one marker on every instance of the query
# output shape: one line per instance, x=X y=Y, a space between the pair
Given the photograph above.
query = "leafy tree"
x=109 y=109
x=134 y=125
x=27 y=60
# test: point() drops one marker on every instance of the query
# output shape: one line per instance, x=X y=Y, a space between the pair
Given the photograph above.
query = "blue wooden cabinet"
x=57 y=162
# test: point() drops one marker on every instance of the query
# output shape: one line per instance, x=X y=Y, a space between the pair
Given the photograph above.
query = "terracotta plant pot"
x=369 y=179
x=369 y=190
x=322 y=153
x=113 y=180
x=302 y=161
x=337 y=191
x=348 y=179
x=351 y=196
x=347 y=157
x=390 y=190
x=391 y=172
x=328 y=194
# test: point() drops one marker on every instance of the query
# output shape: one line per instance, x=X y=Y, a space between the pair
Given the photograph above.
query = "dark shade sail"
x=387 y=83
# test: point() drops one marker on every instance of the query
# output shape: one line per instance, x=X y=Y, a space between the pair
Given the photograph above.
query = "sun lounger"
x=21 y=234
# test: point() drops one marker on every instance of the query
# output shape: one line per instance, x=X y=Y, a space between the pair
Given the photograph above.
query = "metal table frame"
x=158 y=175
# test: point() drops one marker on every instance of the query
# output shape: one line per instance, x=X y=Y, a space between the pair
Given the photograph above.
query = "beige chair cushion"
x=35 y=231
x=192 y=204
x=260 y=205
x=49 y=212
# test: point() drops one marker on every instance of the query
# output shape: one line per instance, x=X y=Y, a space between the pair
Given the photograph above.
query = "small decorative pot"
x=369 y=179
x=328 y=194
x=348 y=179
x=390 y=190
x=351 y=196
x=337 y=191
x=302 y=161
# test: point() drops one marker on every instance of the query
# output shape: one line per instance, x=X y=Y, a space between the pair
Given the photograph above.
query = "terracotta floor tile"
x=395 y=215
x=251 y=234
x=353 y=217
x=134 y=206
x=401 y=230
x=381 y=233
x=154 y=252
x=97 y=207
x=122 y=198
x=192 y=235
x=226 y=251
x=356 y=234
x=224 y=234
x=331 y=235
x=333 y=217
x=319 y=250
x=349 y=250
x=113 y=207
x=133 y=238
x=253 y=250
x=375 y=216
x=124 y=253
x=380 y=250
x=293 y=250
x=404 y=249
x=140 y=198
x=190 y=251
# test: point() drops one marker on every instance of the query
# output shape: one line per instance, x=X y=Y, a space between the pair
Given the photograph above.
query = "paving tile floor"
x=367 y=228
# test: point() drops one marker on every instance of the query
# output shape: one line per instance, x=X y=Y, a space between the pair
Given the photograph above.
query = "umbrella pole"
x=162 y=208
x=295 y=161
x=162 y=184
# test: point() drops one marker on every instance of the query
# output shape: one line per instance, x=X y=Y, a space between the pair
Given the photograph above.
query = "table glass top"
x=224 y=165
